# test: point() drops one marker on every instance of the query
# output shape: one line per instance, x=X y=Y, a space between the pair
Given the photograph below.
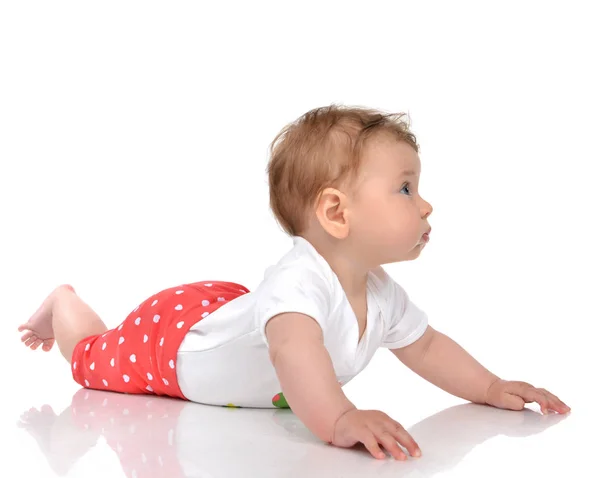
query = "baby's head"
x=349 y=176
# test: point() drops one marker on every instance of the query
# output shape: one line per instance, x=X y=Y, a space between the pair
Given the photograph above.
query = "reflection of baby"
x=130 y=425
x=156 y=437
x=344 y=184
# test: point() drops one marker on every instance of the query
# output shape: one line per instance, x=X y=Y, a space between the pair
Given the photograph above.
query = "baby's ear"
x=332 y=212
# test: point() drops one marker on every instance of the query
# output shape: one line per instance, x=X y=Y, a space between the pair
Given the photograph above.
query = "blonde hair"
x=321 y=149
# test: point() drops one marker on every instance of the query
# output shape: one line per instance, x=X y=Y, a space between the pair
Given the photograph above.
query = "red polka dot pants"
x=140 y=355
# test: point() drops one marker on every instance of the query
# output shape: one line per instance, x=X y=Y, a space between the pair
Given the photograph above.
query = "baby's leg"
x=63 y=317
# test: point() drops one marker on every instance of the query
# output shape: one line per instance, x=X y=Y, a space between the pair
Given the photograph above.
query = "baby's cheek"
x=415 y=224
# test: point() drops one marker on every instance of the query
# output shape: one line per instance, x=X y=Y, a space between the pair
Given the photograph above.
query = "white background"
x=133 y=147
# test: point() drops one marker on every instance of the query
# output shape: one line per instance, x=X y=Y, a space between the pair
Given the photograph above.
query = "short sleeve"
x=406 y=322
x=295 y=288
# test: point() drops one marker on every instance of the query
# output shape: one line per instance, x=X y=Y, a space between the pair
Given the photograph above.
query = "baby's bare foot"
x=38 y=329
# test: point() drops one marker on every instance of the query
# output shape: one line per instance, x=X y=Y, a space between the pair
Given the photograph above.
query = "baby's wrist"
x=342 y=414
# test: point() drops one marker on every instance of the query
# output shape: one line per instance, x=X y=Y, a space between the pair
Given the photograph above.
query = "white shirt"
x=224 y=358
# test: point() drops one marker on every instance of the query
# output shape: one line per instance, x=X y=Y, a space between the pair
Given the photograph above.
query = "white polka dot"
x=105 y=401
x=162 y=341
x=86 y=426
x=74 y=365
x=205 y=314
x=165 y=381
x=104 y=346
x=156 y=319
x=106 y=385
x=126 y=378
x=144 y=459
x=112 y=362
x=93 y=366
x=178 y=307
x=121 y=340
x=120 y=327
x=171 y=364
x=133 y=472
x=154 y=303
x=208 y=285
x=145 y=338
x=221 y=299
x=149 y=388
x=149 y=375
x=87 y=395
x=180 y=324
x=87 y=384
x=170 y=437
x=126 y=411
x=132 y=358
x=205 y=302
x=137 y=321
x=92 y=414
x=160 y=460
x=87 y=347
x=179 y=292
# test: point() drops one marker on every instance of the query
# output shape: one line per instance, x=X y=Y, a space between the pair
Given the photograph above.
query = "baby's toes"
x=36 y=344
x=30 y=341
x=27 y=335
x=48 y=343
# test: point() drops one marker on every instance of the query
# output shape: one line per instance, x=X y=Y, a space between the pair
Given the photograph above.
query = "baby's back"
x=223 y=359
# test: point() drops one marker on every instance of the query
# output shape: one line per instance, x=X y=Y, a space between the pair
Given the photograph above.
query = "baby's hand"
x=514 y=395
x=372 y=427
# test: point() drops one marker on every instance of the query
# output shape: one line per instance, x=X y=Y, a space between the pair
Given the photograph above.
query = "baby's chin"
x=415 y=252
x=404 y=256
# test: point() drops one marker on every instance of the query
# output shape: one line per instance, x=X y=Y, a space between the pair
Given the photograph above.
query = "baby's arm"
x=305 y=372
x=440 y=360
x=309 y=383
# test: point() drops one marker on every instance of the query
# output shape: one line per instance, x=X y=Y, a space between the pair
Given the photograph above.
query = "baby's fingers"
x=372 y=445
x=390 y=443
x=555 y=403
x=404 y=438
x=534 y=395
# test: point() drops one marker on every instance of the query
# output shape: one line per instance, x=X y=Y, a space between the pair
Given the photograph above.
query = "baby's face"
x=388 y=216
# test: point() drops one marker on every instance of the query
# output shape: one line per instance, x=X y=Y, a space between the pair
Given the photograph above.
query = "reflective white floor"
x=66 y=431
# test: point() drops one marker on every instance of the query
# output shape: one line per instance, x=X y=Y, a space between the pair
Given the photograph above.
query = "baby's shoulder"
x=381 y=281
x=390 y=293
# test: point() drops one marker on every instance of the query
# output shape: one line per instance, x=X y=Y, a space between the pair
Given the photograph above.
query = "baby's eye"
x=405 y=188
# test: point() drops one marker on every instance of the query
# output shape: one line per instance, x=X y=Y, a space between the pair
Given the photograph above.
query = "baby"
x=344 y=185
